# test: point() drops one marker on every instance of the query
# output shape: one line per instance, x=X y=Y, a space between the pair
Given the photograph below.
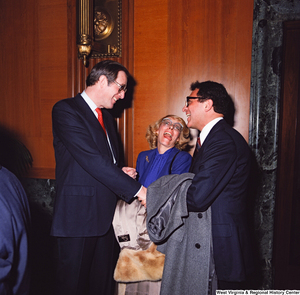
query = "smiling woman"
x=167 y=137
x=168 y=134
x=168 y=123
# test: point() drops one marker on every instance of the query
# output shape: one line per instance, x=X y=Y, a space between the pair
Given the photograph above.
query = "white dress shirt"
x=205 y=131
x=93 y=107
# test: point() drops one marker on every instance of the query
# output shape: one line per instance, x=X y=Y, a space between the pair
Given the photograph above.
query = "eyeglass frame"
x=170 y=123
x=186 y=103
x=121 y=87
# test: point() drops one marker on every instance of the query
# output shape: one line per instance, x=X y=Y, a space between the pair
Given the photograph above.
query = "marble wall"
x=263 y=136
x=41 y=196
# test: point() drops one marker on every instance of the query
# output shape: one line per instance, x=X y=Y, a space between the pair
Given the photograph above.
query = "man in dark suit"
x=89 y=180
x=221 y=168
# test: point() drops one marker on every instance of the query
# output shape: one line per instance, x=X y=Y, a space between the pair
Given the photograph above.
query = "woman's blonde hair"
x=152 y=133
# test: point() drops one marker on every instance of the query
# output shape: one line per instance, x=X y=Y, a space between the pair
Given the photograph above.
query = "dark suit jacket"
x=222 y=169
x=87 y=182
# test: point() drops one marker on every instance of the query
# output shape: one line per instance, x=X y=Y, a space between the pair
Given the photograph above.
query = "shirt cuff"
x=135 y=196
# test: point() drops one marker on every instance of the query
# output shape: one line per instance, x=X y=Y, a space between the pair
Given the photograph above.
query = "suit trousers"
x=85 y=266
x=224 y=285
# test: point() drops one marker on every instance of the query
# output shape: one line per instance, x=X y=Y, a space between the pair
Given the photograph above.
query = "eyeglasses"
x=121 y=87
x=176 y=126
x=188 y=98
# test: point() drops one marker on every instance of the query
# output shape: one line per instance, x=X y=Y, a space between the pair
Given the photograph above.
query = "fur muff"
x=139 y=265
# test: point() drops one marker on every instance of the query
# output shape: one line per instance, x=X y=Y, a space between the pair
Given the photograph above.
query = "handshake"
x=143 y=191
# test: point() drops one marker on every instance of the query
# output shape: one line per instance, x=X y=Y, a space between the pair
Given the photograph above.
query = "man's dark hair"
x=214 y=91
x=108 y=68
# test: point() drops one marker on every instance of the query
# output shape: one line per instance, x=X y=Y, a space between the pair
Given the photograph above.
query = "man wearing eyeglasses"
x=222 y=169
x=89 y=180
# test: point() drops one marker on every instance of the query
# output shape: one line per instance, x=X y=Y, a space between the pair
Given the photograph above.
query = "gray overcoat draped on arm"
x=185 y=238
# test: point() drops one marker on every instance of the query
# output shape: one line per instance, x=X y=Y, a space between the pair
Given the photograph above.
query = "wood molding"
x=43 y=173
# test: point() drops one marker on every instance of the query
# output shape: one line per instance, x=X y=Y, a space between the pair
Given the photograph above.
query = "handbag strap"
x=170 y=169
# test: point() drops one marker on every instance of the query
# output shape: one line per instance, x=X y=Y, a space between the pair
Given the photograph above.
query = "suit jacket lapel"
x=94 y=126
x=211 y=134
x=110 y=126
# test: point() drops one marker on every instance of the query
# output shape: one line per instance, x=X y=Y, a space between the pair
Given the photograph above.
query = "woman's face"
x=168 y=134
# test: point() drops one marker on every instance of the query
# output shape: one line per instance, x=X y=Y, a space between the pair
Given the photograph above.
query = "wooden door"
x=287 y=218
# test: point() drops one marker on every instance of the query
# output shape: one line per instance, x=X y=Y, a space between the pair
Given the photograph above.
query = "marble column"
x=268 y=19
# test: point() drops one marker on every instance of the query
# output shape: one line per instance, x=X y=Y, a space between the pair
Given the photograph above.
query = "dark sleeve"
x=6 y=247
x=181 y=163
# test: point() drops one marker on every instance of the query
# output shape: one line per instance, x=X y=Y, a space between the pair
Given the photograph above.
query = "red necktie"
x=100 y=119
x=199 y=142
x=197 y=147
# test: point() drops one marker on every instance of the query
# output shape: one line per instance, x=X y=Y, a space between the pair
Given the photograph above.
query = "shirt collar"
x=205 y=131
x=89 y=102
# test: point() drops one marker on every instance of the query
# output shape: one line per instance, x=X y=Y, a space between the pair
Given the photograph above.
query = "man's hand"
x=130 y=171
x=142 y=196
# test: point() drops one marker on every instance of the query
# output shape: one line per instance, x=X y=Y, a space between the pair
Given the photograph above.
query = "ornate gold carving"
x=99 y=28
x=84 y=50
x=85 y=39
x=85 y=29
x=113 y=49
x=103 y=24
